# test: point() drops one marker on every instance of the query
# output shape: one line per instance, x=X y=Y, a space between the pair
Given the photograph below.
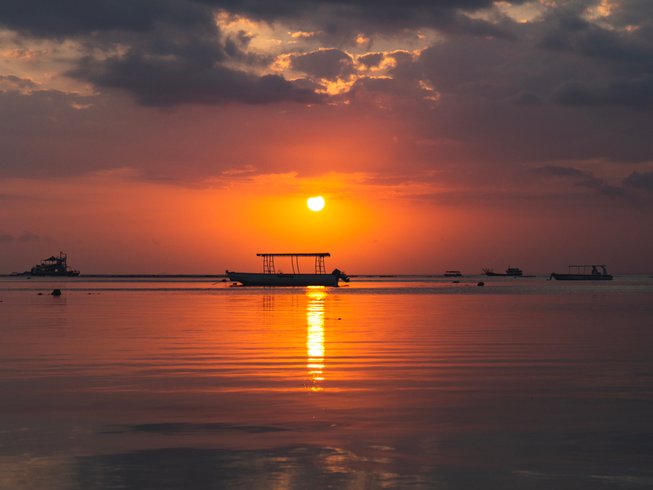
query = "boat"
x=270 y=276
x=510 y=272
x=53 y=266
x=590 y=272
x=453 y=274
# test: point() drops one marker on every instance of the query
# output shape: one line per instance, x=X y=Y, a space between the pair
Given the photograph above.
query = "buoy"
x=481 y=283
x=56 y=292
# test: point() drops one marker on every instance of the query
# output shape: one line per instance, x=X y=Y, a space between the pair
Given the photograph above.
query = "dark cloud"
x=70 y=18
x=66 y=18
x=189 y=62
x=371 y=59
x=167 y=82
x=473 y=66
x=12 y=82
x=324 y=63
x=387 y=92
x=586 y=180
x=641 y=181
x=338 y=16
x=568 y=31
x=637 y=93
x=604 y=188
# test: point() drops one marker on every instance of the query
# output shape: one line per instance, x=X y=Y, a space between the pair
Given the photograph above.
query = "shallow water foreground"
x=385 y=384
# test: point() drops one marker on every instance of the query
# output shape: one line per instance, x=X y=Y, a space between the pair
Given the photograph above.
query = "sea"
x=385 y=382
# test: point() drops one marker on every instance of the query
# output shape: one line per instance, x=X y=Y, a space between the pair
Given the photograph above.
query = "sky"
x=180 y=136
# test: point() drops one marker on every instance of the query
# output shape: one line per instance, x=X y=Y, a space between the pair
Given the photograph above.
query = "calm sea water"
x=384 y=383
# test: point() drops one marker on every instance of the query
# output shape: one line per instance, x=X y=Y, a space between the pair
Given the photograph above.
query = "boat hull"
x=52 y=274
x=259 y=279
x=581 y=277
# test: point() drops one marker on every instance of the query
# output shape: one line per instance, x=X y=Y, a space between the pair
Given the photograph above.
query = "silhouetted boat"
x=53 y=266
x=270 y=277
x=510 y=271
x=453 y=274
x=591 y=272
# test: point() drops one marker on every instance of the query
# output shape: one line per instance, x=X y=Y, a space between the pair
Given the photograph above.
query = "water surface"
x=387 y=382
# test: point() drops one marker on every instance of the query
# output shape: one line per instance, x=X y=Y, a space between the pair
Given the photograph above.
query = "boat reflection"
x=315 y=337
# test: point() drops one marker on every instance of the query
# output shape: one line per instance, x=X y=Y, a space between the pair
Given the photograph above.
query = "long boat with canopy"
x=271 y=276
x=591 y=272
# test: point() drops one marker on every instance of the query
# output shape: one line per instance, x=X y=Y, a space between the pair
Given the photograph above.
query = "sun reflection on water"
x=315 y=336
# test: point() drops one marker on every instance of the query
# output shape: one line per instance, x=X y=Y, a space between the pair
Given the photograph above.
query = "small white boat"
x=270 y=277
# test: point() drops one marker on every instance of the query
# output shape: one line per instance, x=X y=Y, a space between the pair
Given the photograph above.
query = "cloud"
x=186 y=61
x=42 y=18
x=338 y=18
x=164 y=54
x=497 y=95
x=586 y=180
x=567 y=30
x=637 y=93
x=66 y=18
x=323 y=63
x=371 y=59
x=168 y=82
x=12 y=82
x=640 y=181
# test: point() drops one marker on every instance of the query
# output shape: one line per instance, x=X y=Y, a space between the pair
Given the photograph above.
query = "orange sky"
x=113 y=223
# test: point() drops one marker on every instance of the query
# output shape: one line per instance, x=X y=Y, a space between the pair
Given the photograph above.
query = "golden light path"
x=315 y=336
x=315 y=203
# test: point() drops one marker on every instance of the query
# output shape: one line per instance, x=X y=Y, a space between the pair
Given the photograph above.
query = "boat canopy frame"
x=588 y=269
x=269 y=266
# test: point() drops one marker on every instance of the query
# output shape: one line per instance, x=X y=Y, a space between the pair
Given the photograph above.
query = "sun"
x=315 y=203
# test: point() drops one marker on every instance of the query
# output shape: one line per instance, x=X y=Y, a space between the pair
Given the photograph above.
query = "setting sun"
x=315 y=203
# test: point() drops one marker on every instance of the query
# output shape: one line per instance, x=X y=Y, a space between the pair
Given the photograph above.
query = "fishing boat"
x=510 y=272
x=591 y=272
x=53 y=266
x=271 y=277
x=453 y=274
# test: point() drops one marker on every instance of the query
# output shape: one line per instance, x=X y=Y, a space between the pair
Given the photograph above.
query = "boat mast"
x=268 y=263
x=319 y=264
